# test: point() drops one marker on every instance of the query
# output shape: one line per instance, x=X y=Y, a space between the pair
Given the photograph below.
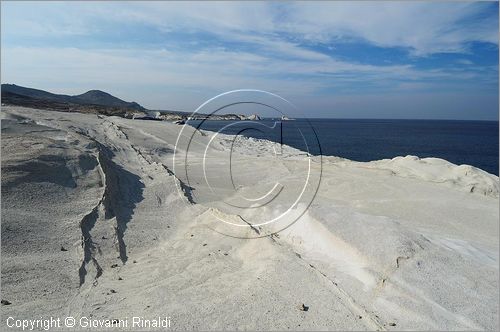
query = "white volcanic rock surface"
x=99 y=219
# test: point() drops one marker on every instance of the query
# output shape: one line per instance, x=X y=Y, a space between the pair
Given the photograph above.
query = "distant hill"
x=89 y=98
x=100 y=102
x=98 y=97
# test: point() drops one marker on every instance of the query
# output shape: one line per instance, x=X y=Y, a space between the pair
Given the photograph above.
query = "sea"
x=460 y=142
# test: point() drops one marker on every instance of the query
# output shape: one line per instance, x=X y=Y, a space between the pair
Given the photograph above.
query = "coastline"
x=383 y=242
x=404 y=166
x=459 y=142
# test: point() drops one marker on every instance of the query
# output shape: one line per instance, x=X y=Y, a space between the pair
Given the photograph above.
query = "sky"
x=417 y=60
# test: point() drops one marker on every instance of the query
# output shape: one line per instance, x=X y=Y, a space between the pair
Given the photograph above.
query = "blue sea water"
x=460 y=142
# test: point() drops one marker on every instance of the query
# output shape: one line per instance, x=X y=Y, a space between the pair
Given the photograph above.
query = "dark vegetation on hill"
x=92 y=97
x=99 y=102
x=93 y=101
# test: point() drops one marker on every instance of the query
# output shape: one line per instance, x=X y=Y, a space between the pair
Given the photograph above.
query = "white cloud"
x=464 y=62
x=422 y=27
x=133 y=73
x=273 y=58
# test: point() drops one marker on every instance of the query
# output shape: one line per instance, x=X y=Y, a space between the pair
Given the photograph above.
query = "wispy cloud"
x=176 y=54
x=423 y=27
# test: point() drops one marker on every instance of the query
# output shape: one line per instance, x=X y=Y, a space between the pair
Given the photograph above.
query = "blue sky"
x=332 y=59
